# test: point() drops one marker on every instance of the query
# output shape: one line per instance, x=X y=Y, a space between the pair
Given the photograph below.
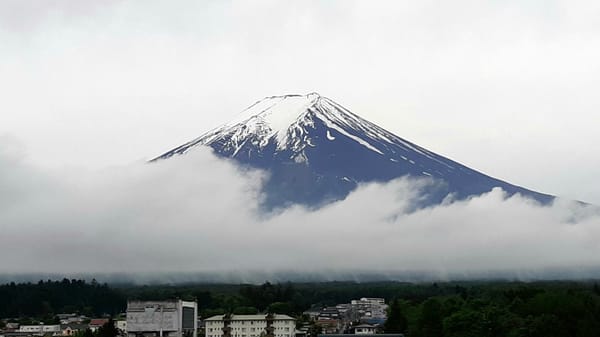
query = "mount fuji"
x=316 y=151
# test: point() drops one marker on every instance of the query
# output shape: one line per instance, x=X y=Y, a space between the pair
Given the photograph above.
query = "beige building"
x=250 y=326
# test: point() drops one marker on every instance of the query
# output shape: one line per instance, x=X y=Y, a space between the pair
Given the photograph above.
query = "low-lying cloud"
x=201 y=214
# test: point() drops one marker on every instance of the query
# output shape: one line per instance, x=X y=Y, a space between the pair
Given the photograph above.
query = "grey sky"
x=506 y=87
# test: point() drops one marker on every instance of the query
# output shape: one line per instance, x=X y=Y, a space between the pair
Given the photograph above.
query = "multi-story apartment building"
x=273 y=325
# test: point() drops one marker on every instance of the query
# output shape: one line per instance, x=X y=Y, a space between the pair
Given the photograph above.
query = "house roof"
x=74 y=326
x=314 y=309
x=328 y=322
x=98 y=321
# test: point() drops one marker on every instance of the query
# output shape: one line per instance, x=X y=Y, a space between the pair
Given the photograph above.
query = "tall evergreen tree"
x=396 y=322
x=430 y=321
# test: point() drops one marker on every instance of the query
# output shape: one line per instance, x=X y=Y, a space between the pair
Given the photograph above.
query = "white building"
x=250 y=326
x=369 y=301
x=162 y=319
x=121 y=325
x=41 y=329
x=365 y=329
x=371 y=309
x=69 y=318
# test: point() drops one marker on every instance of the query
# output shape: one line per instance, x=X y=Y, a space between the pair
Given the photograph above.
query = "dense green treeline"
x=454 y=309
x=522 y=311
x=45 y=299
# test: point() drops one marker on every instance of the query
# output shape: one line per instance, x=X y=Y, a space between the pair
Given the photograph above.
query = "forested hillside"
x=45 y=299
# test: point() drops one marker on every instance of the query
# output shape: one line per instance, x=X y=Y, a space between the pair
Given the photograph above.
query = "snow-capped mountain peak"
x=284 y=122
x=316 y=150
x=271 y=117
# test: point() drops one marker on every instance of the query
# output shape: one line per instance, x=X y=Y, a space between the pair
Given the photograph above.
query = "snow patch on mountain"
x=285 y=121
x=273 y=116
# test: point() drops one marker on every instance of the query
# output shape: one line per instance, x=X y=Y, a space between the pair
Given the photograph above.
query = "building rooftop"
x=365 y=326
x=98 y=321
x=249 y=317
x=74 y=326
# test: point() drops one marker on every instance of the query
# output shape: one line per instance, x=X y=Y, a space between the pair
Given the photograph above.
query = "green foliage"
x=245 y=311
x=267 y=294
x=281 y=308
x=396 y=322
x=430 y=322
x=47 y=298
x=464 y=323
x=84 y=333
x=315 y=330
x=108 y=330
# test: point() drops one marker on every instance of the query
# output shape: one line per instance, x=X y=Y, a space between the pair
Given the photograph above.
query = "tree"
x=547 y=326
x=108 y=329
x=430 y=323
x=396 y=322
x=245 y=311
x=84 y=333
x=280 y=308
x=314 y=330
x=464 y=323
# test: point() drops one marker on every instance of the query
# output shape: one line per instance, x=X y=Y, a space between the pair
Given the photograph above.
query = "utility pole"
x=161 y=319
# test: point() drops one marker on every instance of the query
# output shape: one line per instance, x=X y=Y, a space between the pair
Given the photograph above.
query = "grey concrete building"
x=162 y=319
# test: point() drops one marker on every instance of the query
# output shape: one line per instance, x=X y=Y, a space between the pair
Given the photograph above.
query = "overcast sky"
x=506 y=87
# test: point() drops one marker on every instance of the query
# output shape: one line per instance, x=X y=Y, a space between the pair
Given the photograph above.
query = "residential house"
x=72 y=328
x=96 y=323
x=365 y=329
